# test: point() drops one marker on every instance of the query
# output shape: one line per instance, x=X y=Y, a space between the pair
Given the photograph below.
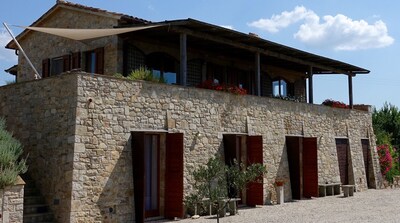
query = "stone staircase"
x=35 y=208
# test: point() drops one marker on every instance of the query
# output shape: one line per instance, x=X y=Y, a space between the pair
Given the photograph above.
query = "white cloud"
x=6 y=54
x=283 y=20
x=336 y=32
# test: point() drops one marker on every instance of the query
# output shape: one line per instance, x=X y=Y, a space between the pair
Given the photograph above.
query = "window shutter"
x=45 y=68
x=138 y=174
x=255 y=190
x=76 y=60
x=174 y=176
x=66 y=63
x=99 y=60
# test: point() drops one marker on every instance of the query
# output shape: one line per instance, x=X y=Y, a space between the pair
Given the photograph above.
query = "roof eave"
x=67 y=5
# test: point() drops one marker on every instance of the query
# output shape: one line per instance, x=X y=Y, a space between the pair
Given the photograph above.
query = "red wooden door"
x=174 y=176
x=255 y=191
x=293 y=153
x=342 y=153
x=310 y=167
x=138 y=174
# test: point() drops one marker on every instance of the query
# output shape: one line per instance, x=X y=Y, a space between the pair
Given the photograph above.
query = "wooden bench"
x=329 y=189
x=348 y=190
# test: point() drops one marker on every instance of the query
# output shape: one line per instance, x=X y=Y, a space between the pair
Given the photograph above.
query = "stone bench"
x=231 y=205
x=329 y=189
x=348 y=190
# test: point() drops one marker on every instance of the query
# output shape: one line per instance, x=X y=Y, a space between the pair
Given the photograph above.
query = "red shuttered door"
x=254 y=193
x=310 y=167
x=174 y=176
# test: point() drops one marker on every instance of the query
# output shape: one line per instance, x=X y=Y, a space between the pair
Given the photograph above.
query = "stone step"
x=38 y=218
x=35 y=208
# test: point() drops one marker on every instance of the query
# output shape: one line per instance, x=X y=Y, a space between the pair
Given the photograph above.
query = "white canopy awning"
x=85 y=34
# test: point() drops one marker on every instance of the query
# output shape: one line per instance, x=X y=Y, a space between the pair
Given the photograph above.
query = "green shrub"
x=144 y=74
x=141 y=74
x=10 y=163
x=118 y=75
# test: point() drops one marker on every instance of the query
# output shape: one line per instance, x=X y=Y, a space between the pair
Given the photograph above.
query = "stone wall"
x=77 y=130
x=109 y=109
x=33 y=43
x=12 y=203
x=41 y=115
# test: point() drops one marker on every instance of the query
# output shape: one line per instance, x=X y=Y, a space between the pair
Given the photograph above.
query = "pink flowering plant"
x=389 y=161
x=385 y=158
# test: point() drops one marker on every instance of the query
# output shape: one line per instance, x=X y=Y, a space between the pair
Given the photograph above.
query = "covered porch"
x=190 y=52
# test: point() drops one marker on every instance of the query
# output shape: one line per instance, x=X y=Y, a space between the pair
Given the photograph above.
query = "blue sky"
x=364 y=33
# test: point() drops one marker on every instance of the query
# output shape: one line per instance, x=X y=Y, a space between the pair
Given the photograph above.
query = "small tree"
x=10 y=163
x=215 y=180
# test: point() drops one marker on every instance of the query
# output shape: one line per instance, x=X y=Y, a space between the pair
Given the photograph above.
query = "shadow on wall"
x=116 y=201
x=282 y=174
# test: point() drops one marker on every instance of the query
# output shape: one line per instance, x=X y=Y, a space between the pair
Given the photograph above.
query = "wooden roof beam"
x=254 y=49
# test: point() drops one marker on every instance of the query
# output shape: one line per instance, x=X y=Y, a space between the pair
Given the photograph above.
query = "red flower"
x=209 y=84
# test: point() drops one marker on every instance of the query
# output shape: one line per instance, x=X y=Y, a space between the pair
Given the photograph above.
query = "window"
x=279 y=88
x=157 y=164
x=163 y=66
x=95 y=61
x=58 y=65
x=151 y=161
x=134 y=58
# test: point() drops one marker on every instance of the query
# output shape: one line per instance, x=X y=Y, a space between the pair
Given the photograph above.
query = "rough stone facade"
x=41 y=114
x=12 y=203
x=33 y=43
x=77 y=130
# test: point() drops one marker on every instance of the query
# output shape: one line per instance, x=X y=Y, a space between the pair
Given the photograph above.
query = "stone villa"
x=104 y=149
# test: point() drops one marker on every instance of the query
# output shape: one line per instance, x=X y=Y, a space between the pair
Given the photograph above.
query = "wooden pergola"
x=218 y=39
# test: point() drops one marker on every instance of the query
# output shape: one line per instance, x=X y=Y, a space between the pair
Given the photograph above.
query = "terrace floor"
x=368 y=206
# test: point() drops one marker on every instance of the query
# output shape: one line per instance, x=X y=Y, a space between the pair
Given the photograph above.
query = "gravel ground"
x=369 y=206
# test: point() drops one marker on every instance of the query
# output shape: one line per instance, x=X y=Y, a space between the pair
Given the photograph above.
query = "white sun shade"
x=85 y=34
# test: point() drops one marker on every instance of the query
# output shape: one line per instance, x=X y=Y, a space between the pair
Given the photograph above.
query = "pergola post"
x=350 y=80
x=258 y=73
x=310 y=86
x=183 y=57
